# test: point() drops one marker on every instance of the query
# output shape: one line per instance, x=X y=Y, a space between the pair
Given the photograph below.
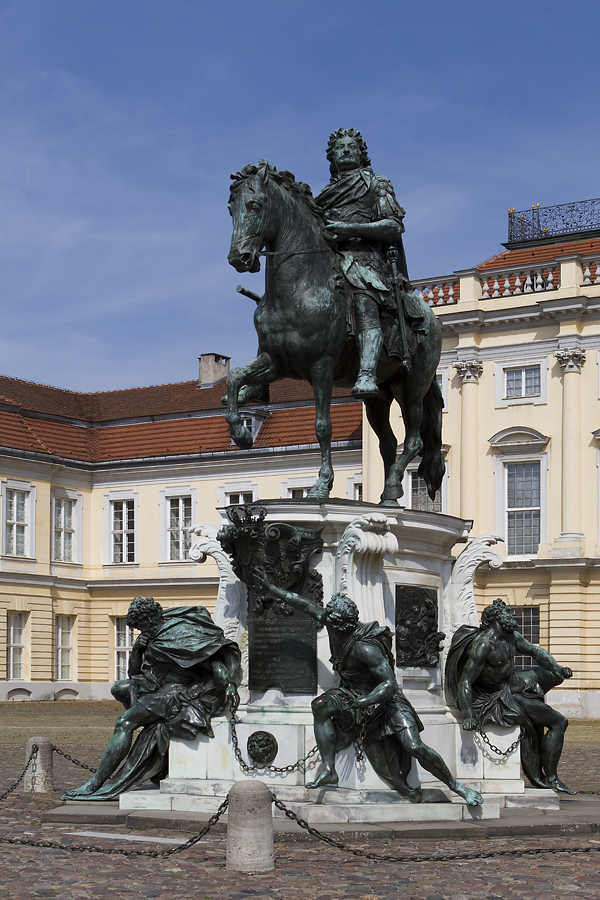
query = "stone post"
x=571 y=361
x=250 y=828
x=469 y=371
x=39 y=777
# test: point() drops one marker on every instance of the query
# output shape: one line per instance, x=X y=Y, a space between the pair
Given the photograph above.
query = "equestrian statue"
x=338 y=308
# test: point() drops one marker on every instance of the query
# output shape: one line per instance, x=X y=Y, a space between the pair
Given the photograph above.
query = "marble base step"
x=340 y=810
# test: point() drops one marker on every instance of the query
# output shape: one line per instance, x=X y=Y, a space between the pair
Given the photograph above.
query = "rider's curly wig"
x=143 y=608
x=358 y=139
x=494 y=612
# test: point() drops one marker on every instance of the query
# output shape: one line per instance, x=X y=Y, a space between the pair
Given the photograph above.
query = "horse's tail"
x=432 y=465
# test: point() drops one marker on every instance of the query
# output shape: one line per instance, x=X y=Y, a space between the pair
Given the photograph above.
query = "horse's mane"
x=287 y=181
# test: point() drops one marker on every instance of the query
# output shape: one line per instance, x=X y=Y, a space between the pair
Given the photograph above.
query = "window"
x=123 y=531
x=15 y=523
x=238 y=498
x=528 y=618
x=299 y=493
x=520 y=381
x=124 y=640
x=64 y=530
x=420 y=499
x=357 y=490
x=180 y=519
x=523 y=382
x=64 y=631
x=415 y=494
x=15 y=645
x=523 y=508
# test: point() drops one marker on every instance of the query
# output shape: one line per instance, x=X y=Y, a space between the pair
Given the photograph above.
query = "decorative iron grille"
x=567 y=218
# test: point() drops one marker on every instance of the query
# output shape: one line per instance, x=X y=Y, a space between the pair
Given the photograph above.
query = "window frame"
x=60 y=495
x=501 y=464
x=11 y=645
x=516 y=610
x=406 y=499
x=235 y=487
x=297 y=483
x=59 y=646
x=109 y=499
x=26 y=487
x=125 y=648
x=177 y=492
x=500 y=370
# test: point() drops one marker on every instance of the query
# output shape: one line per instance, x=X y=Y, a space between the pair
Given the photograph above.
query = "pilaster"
x=469 y=371
x=570 y=541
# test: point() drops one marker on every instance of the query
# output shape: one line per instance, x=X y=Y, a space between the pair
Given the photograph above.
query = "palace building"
x=98 y=490
x=97 y=494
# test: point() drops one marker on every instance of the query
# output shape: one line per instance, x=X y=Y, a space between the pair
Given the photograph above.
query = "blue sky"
x=121 y=121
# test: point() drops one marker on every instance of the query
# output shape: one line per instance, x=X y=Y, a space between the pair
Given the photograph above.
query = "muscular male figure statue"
x=369 y=703
x=481 y=679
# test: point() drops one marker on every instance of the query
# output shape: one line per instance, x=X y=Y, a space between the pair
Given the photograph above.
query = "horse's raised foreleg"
x=412 y=413
x=322 y=382
x=378 y=414
x=260 y=371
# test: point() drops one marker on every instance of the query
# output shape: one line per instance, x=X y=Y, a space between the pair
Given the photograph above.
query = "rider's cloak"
x=364 y=196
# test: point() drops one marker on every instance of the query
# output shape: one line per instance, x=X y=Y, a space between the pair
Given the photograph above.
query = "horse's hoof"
x=366 y=387
x=243 y=439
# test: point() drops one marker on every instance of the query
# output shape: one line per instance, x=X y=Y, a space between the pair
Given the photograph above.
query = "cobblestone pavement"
x=304 y=871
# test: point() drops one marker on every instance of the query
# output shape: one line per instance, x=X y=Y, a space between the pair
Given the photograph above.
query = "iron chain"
x=112 y=851
x=497 y=750
x=247 y=768
x=72 y=759
x=21 y=776
x=487 y=854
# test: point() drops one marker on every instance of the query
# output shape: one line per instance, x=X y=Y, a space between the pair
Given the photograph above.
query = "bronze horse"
x=302 y=331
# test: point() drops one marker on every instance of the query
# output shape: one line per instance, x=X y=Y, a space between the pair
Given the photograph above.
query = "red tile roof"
x=282 y=429
x=161 y=399
x=82 y=439
x=530 y=255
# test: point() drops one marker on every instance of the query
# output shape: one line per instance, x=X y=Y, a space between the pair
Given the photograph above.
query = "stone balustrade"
x=442 y=291
x=591 y=271
x=521 y=280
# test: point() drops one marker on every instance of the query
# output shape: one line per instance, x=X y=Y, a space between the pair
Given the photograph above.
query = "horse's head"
x=250 y=209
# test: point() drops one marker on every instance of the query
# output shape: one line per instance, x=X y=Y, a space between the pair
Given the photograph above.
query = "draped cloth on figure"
x=363 y=196
x=503 y=706
x=380 y=724
x=176 y=684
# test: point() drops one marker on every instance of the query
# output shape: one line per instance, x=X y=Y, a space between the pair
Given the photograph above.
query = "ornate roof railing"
x=568 y=218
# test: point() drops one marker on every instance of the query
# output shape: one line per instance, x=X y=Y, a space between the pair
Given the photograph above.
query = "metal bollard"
x=250 y=828
x=39 y=777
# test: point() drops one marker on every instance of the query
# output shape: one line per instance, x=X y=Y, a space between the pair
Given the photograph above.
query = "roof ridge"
x=142 y=387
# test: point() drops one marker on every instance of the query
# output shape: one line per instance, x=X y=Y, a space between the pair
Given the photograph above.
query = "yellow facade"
x=556 y=330
x=93 y=590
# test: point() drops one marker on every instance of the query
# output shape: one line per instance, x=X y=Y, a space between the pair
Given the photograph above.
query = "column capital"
x=571 y=359
x=469 y=370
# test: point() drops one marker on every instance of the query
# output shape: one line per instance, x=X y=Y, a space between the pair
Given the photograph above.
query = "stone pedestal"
x=367 y=551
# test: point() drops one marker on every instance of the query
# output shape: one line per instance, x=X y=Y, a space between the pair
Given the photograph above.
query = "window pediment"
x=518 y=439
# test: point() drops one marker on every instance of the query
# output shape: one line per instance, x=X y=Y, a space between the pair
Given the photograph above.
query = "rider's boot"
x=369 y=345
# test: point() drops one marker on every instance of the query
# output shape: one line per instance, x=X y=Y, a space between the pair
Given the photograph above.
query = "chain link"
x=32 y=756
x=113 y=851
x=72 y=759
x=486 y=854
x=253 y=767
x=497 y=750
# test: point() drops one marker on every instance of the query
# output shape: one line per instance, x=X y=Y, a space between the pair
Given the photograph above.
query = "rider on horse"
x=364 y=215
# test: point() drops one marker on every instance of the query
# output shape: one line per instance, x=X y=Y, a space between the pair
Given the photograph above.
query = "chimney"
x=213 y=367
